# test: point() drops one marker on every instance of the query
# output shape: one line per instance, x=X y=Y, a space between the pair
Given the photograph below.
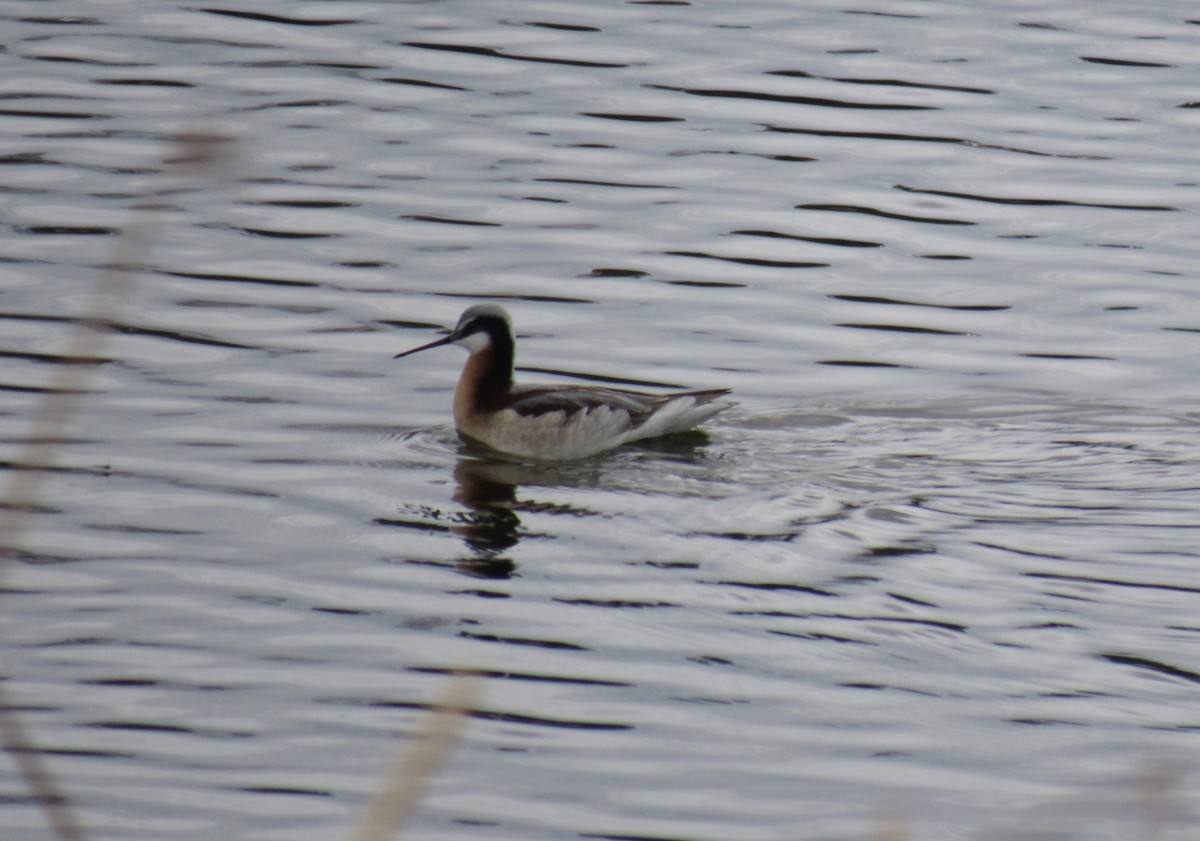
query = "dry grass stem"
x=404 y=786
x=49 y=428
x=193 y=152
x=37 y=776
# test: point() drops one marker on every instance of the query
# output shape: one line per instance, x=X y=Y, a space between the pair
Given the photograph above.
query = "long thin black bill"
x=445 y=340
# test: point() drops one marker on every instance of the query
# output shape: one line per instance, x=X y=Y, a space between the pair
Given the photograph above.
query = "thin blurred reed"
x=192 y=154
x=417 y=764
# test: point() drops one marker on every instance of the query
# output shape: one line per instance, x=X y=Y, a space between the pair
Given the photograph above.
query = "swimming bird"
x=554 y=422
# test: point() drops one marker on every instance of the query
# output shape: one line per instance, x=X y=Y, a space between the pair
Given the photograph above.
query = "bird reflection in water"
x=492 y=526
x=487 y=488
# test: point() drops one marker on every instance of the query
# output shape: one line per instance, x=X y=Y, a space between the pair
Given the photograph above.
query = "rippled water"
x=938 y=567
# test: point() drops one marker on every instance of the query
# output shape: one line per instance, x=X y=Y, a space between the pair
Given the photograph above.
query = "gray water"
x=936 y=572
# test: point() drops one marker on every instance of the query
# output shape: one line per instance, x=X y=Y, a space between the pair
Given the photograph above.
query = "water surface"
x=938 y=566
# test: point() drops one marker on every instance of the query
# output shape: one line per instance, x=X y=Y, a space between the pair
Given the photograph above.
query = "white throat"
x=475 y=342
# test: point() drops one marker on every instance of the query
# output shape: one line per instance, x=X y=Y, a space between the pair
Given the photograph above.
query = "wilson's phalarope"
x=548 y=421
